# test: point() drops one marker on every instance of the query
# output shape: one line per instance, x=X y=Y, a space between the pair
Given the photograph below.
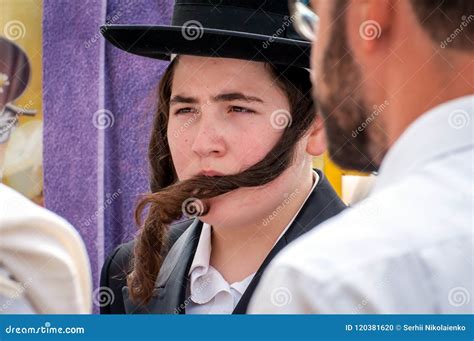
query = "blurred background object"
x=21 y=96
x=23 y=160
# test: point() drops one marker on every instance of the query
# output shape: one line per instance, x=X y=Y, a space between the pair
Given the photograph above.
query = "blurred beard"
x=354 y=140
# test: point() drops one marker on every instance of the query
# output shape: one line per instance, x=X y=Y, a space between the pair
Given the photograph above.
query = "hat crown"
x=276 y=6
x=268 y=17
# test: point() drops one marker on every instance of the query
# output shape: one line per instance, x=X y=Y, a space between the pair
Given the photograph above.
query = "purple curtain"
x=98 y=107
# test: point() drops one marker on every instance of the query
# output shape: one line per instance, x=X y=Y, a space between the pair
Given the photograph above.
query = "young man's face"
x=338 y=85
x=225 y=116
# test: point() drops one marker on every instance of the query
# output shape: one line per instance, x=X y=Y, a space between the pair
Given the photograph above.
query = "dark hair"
x=165 y=203
x=443 y=18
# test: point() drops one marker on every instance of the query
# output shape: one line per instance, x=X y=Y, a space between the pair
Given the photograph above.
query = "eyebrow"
x=225 y=97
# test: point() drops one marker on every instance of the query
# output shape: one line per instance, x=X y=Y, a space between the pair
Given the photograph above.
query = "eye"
x=241 y=110
x=185 y=111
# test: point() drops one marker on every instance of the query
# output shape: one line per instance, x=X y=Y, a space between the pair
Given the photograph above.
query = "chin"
x=218 y=211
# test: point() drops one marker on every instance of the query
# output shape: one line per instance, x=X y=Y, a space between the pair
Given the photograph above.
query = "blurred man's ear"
x=368 y=23
x=317 y=138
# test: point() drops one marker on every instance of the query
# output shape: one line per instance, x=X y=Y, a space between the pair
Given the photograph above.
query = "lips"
x=210 y=173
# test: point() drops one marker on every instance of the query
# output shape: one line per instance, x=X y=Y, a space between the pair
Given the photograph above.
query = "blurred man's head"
x=379 y=64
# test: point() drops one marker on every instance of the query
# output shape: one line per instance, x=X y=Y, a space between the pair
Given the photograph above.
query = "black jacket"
x=172 y=282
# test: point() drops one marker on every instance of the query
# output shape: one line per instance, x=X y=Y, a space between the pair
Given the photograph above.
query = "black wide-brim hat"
x=250 y=30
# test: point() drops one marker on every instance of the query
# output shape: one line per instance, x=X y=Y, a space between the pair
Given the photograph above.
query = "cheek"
x=180 y=149
x=252 y=144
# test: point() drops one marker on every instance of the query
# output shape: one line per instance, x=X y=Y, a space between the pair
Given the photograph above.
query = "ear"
x=317 y=138
x=369 y=22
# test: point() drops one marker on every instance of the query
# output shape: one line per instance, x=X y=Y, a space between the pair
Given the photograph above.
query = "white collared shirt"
x=44 y=267
x=209 y=292
x=407 y=248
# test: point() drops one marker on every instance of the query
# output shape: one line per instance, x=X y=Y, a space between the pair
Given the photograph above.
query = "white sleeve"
x=46 y=255
x=386 y=287
x=12 y=296
x=283 y=290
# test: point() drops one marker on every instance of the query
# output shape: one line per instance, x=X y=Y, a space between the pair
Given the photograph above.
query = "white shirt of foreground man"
x=44 y=266
x=408 y=248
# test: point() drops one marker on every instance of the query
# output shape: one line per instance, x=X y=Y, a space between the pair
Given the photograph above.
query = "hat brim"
x=160 y=42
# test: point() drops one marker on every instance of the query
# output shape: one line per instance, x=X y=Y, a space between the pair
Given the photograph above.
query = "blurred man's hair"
x=448 y=22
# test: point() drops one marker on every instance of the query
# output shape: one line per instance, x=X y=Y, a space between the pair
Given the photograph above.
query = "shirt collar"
x=440 y=131
x=203 y=251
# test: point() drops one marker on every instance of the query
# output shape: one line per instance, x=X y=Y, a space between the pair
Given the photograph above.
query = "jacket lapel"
x=172 y=281
x=322 y=204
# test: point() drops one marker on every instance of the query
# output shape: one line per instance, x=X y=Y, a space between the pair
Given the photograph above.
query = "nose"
x=209 y=139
